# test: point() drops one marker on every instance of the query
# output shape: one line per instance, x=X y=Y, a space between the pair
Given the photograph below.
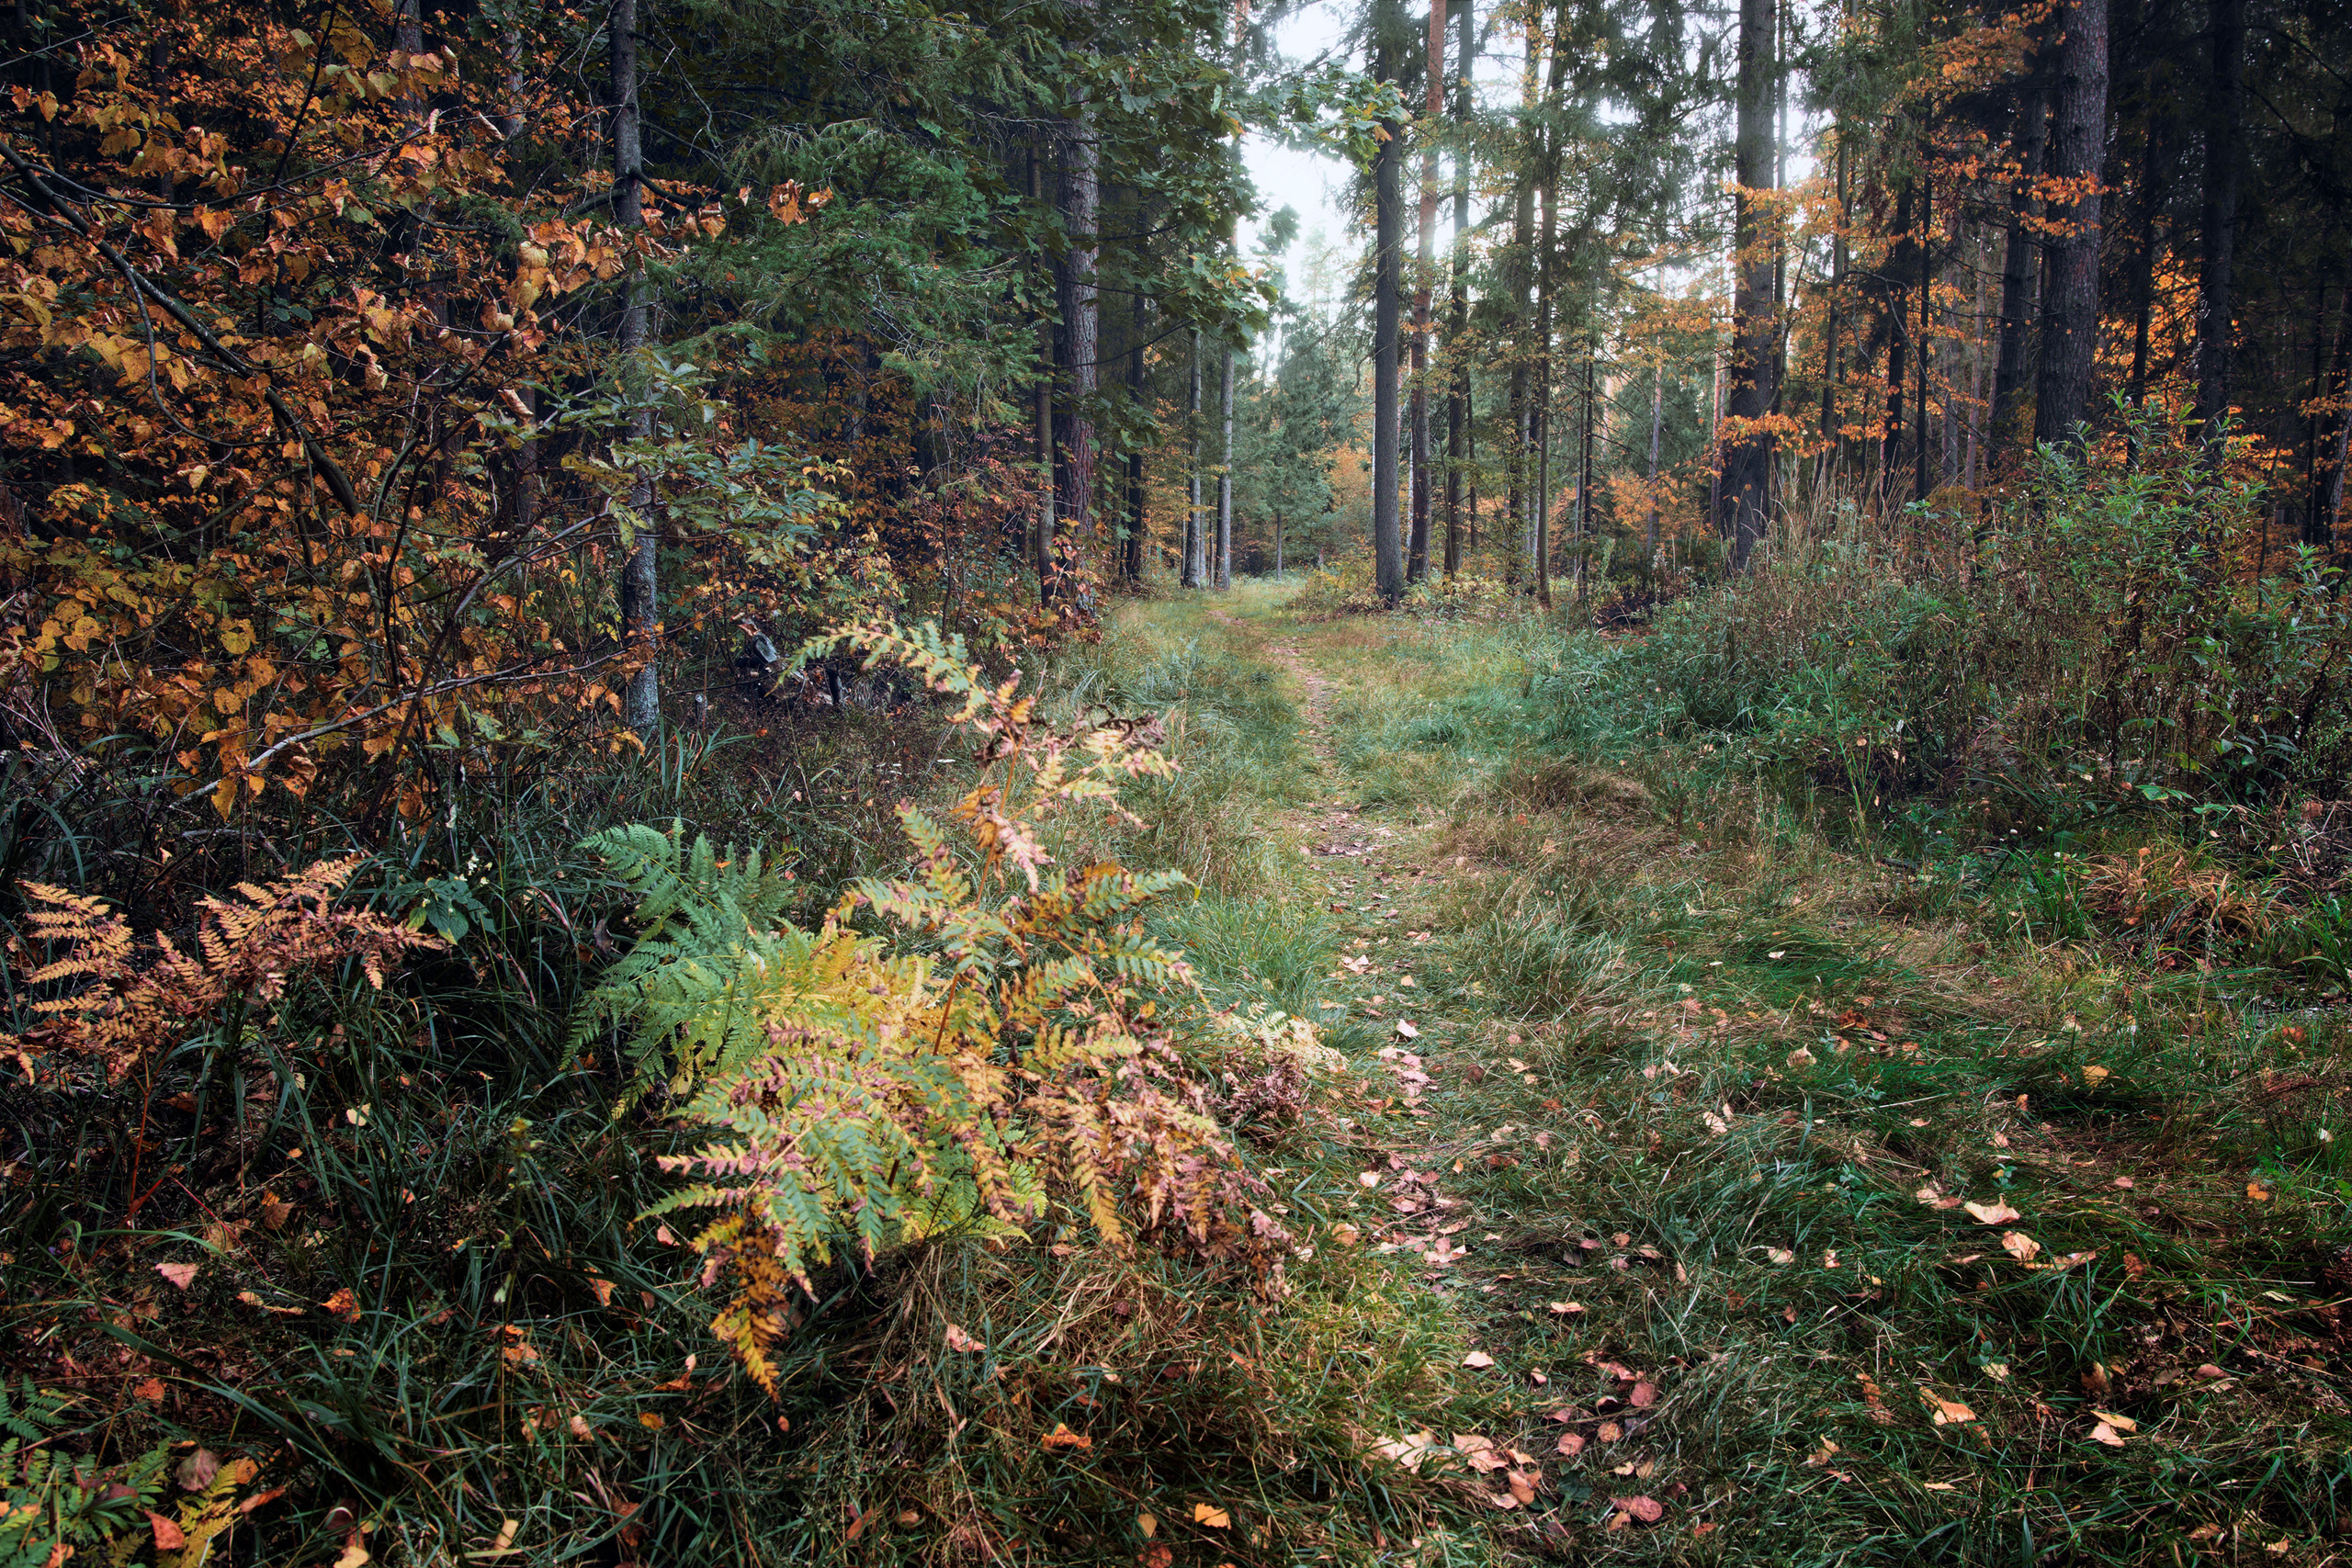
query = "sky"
x=1313 y=183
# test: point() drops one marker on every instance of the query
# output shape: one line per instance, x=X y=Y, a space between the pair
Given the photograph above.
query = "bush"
x=2106 y=638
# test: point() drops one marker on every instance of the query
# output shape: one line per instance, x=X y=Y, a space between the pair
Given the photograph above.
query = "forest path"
x=1755 y=1200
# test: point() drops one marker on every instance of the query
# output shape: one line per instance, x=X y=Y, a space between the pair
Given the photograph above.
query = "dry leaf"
x=152 y=1391
x=2255 y=1193
x=1478 y=1359
x=253 y=1300
x=354 y=1555
x=1061 y=1437
x=2104 y=1433
x=1942 y=1411
x=2020 y=1246
x=1408 y=1451
x=602 y=1288
x=1650 y=1510
x=1214 y=1518
x=1645 y=1394
x=342 y=1304
x=274 y=1211
x=1571 y=1445
x=2093 y=1076
x=180 y=1274
x=169 y=1536
x=1522 y=1485
x=1408 y=1030
x=1992 y=1214
x=1147 y=1524
x=1780 y=1254
x=959 y=1340
x=1563 y=1309
x=1156 y=1555
x=1608 y=1433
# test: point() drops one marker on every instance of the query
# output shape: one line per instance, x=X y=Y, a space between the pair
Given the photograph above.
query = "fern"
x=54 y=1505
x=1002 y=1054
x=247 y=949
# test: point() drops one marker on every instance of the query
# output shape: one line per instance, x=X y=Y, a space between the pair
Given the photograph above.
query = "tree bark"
x=1657 y=429
x=1131 y=552
x=1416 y=554
x=1749 y=446
x=1041 y=529
x=2078 y=151
x=1081 y=195
x=1195 y=558
x=639 y=587
x=1387 y=545
x=2224 y=163
x=2018 y=257
x=1224 y=481
x=1546 y=243
x=1457 y=400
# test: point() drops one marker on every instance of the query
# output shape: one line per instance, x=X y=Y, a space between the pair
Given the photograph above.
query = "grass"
x=1693 y=1064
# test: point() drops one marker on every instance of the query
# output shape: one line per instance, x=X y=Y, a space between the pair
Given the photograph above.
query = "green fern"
x=49 y=1500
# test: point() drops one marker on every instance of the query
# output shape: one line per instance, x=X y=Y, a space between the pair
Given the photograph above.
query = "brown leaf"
x=1522 y=1485
x=1477 y=1360
x=1563 y=1309
x=169 y=1536
x=1061 y=1437
x=274 y=1211
x=1942 y=1411
x=152 y=1391
x=2020 y=1246
x=342 y=1304
x=1650 y=1510
x=1610 y=1432
x=959 y=1340
x=1645 y=1394
x=2105 y=1433
x=1571 y=1445
x=1992 y=1214
x=1214 y=1518
x=180 y=1274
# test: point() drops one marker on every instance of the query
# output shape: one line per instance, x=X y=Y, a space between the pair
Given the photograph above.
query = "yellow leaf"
x=1214 y=1518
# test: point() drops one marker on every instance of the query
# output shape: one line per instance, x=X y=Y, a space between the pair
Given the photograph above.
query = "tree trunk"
x=2327 y=437
x=1923 y=452
x=2155 y=162
x=2224 y=161
x=1224 y=481
x=1195 y=558
x=1416 y=554
x=1041 y=530
x=2019 y=257
x=1657 y=429
x=2077 y=150
x=1387 y=545
x=639 y=595
x=1519 y=289
x=1131 y=552
x=1749 y=446
x=1457 y=400
x=1546 y=243
x=1081 y=339
x=1898 y=344
x=1586 y=528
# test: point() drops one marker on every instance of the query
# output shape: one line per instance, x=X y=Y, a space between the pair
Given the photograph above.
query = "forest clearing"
x=837 y=782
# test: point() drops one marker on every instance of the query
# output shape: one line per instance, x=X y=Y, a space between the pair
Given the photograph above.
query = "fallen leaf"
x=2210 y=1373
x=195 y=1471
x=1408 y=1030
x=274 y=1211
x=1214 y=1518
x=1563 y=1309
x=253 y=1299
x=1993 y=1214
x=180 y=1274
x=1608 y=1432
x=1478 y=1359
x=1821 y=1456
x=1780 y=1254
x=1943 y=1412
x=2255 y=1193
x=1061 y=1437
x=169 y=1536
x=342 y=1304
x=2020 y=1246
x=1521 y=1484
x=959 y=1340
x=354 y=1555
x=1650 y=1510
x=602 y=1288
x=1645 y=1394
x=2095 y=1075
x=2120 y=1423
x=1940 y=1486
x=2103 y=1433
x=2125 y=1182
x=1147 y=1524
x=1571 y=1444
x=1156 y=1555
x=1801 y=1058
x=1407 y=1451
x=152 y=1391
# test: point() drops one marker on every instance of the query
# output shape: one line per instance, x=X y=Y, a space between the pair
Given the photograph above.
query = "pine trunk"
x=2077 y=150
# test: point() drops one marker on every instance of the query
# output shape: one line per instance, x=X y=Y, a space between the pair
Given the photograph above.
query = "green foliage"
x=49 y=1499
